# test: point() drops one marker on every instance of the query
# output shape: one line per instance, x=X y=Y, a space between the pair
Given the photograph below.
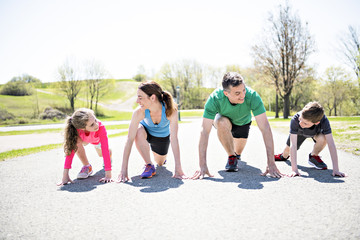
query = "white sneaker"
x=85 y=172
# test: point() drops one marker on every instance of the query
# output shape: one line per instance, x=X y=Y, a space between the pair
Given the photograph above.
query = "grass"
x=27 y=151
x=24 y=132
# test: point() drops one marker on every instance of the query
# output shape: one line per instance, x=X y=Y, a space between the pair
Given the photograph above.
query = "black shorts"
x=300 y=140
x=240 y=131
x=159 y=145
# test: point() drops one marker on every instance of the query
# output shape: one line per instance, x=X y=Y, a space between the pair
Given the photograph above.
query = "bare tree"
x=95 y=74
x=351 y=49
x=284 y=51
x=70 y=82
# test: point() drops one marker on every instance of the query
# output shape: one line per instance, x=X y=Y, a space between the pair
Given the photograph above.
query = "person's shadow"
x=324 y=176
x=247 y=176
x=160 y=182
x=84 y=185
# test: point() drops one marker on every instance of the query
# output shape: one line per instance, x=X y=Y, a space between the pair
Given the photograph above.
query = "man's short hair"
x=231 y=79
x=313 y=112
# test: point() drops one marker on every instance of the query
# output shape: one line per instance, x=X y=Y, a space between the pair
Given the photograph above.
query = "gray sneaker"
x=316 y=162
x=231 y=165
x=85 y=172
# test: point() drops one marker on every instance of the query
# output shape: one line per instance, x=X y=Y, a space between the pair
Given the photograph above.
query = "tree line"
x=281 y=73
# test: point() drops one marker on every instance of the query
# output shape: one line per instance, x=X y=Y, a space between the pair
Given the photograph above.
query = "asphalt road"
x=241 y=205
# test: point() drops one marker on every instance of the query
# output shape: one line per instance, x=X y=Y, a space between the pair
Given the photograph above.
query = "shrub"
x=18 y=88
x=5 y=115
x=50 y=113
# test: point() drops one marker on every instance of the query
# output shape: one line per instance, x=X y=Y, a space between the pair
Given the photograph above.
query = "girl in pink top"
x=81 y=129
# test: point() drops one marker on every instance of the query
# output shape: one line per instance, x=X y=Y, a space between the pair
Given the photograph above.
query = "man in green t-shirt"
x=229 y=110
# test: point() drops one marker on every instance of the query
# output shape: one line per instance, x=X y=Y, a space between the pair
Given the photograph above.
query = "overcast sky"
x=37 y=36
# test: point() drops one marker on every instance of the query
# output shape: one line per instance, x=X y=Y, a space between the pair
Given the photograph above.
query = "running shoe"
x=231 y=165
x=280 y=157
x=149 y=171
x=316 y=162
x=85 y=172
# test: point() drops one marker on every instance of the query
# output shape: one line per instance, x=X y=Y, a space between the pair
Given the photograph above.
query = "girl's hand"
x=123 y=177
x=64 y=181
x=107 y=177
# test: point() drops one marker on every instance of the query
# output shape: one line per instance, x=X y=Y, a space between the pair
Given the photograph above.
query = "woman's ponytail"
x=170 y=105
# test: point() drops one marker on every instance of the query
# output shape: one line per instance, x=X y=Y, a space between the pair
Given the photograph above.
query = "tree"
x=283 y=52
x=351 y=49
x=189 y=76
x=335 y=89
x=94 y=72
x=141 y=74
x=70 y=83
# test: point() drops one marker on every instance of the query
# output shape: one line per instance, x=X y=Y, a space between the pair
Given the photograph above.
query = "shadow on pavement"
x=161 y=182
x=248 y=177
x=84 y=185
x=324 y=176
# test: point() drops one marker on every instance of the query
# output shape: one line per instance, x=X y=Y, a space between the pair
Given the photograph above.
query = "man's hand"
x=273 y=171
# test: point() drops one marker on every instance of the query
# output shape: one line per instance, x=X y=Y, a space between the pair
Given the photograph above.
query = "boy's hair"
x=231 y=79
x=313 y=112
x=151 y=87
x=78 y=120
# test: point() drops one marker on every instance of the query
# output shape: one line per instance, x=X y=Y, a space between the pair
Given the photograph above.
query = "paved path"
x=242 y=205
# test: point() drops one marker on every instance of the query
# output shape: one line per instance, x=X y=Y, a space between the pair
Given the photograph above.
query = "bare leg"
x=142 y=145
x=239 y=145
x=159 y=159
x=81 y=152
x=286 y=151
x=223 y=126
x=319 y=145
x=99 y=152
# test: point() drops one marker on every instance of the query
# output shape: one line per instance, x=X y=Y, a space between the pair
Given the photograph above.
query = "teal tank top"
x=158 y=130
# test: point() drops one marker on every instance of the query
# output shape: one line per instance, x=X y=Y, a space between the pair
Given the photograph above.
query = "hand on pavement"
x=64 y=182
x=200 y=174
x=293 y=174
x=123 y=177
x=180 y=175
x=338 y=174
x=107 y=178
x=273 y=171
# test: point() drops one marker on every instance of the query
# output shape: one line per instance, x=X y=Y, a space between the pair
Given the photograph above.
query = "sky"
x=37 y=36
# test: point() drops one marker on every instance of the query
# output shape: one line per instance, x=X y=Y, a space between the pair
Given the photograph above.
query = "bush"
x=50 y=113
x=5 y=115
x=18 y=88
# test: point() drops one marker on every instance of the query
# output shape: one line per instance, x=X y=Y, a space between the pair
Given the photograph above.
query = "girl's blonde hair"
x=78 y=120
x=151 y=87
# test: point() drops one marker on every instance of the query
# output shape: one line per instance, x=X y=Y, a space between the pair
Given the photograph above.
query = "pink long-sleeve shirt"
x=100 y=136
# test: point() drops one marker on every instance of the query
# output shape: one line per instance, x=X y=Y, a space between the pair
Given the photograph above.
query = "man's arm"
x=203 y=143
x=265 y=129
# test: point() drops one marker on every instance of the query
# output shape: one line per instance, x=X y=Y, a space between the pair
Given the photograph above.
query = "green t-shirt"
x=239 y=114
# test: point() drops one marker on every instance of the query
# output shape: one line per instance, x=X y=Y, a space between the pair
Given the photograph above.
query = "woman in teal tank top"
x=150 y=128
